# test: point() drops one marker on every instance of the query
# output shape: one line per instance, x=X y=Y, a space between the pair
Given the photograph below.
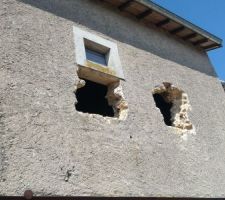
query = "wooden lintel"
x=177 y=30
x=125 y=5
x=190 y=36
x=144 y=14
x=163 y=22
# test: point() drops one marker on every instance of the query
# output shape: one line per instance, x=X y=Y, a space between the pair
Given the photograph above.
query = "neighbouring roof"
x=149 y=12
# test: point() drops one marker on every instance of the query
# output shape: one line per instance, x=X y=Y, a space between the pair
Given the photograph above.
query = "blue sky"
x=209 y=15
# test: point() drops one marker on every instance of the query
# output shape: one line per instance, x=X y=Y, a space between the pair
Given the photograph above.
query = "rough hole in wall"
x=174 y=106
x=106 y=100
x=164 y=107
x=91 y=99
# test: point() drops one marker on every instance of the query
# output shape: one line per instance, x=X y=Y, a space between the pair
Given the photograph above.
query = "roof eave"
x=182 y=21
x=147 y=11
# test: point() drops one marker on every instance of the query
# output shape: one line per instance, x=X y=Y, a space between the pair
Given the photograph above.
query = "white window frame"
x=113 y=59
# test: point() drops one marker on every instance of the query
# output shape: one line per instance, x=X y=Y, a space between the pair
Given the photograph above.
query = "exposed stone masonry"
x=115 y=98
x=180 y=105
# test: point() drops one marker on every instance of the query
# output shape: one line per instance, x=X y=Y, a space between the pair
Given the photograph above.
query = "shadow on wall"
x=123 y=29
x=223 y=84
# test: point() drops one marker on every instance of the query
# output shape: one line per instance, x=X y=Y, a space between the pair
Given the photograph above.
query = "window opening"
x=96 y=56
x=98 y=89
x=96 y=52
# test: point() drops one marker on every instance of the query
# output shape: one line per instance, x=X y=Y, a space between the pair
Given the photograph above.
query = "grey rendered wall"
x=50 y=148
x=223 y=84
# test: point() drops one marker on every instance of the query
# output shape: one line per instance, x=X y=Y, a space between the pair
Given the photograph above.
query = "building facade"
x=223 y=84
x=95 y=102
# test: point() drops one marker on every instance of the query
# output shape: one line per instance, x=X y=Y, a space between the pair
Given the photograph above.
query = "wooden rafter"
x=190 y=36
x=200 y=41
x=177 y=30
x=125 y=5
x=163 y=22
x=144 y=14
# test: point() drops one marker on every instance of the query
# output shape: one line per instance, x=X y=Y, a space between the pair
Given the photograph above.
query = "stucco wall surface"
x=223 y=84
x=50 y=148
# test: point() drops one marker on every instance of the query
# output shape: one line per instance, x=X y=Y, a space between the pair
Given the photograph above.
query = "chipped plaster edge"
x=115 y=99
x=179 y=110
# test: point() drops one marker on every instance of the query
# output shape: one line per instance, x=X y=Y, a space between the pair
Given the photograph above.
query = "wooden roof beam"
x=211 y=46
x=190 y=36
x=177 y=30
x=144 y=14
x=125 y=5
x=200 y=41
x=163 y=22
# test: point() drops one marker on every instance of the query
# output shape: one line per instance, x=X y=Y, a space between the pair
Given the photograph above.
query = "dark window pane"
x=96 y=57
